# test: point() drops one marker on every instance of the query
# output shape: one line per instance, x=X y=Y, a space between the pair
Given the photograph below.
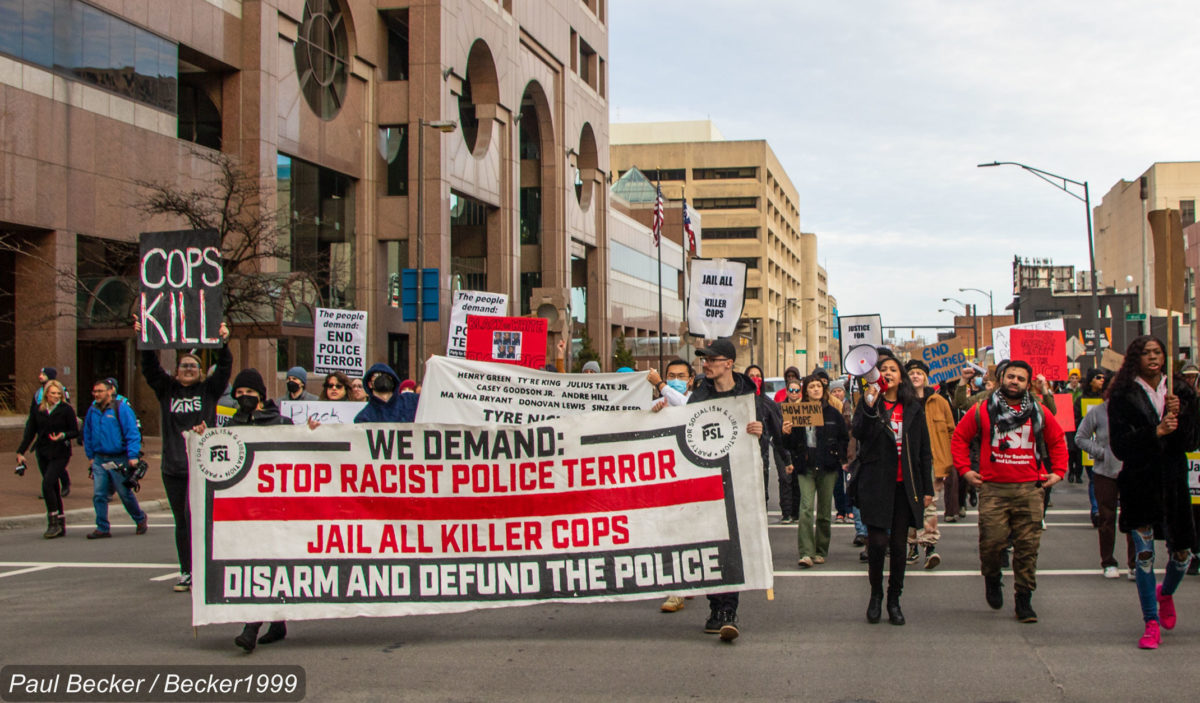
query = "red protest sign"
x=1064 y=411
x=1044 y=350
x=508 y=340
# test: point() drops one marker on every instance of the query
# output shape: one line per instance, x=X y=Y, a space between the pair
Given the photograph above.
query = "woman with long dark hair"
x=51 y=427
x=818 y=453
x=1151 y=429
x=894 y=480
x=336 y=387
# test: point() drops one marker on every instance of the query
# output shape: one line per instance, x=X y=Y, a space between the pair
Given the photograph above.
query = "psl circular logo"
x=219 y=454
x=711 y=433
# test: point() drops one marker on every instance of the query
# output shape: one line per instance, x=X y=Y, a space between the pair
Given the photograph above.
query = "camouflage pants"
x=1010 y=510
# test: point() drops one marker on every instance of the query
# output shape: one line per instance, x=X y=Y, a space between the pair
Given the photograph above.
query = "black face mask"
x=248 y=403
x=383 y=383
x=293 y=387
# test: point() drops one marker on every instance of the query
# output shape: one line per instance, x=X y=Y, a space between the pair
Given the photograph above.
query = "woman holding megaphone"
x=894 y=480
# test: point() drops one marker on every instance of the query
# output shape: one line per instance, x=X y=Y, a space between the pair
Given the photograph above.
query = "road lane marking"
x=29 y=570
x=938 y=572
x=86 y=565
x=166 y=577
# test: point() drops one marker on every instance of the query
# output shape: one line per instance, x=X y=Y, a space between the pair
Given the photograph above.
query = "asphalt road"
x=73 y=601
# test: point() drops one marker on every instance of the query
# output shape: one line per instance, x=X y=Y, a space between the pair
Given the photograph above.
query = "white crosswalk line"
x=29 y=570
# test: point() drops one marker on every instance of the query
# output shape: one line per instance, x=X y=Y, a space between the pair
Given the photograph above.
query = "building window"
x=531 y=215
x=322 y=57
x=730 y=233
x=84 y=42
x=393 y=146
x=529 y=281
x=751 y=262
x=320 y=221
x=587 y=64
x=199 y=117
x=642 y=267
x=397 y=45
x=724 y=203
x=1187 y=212
x=655 y=175
x=751 y=294
x=705 y=174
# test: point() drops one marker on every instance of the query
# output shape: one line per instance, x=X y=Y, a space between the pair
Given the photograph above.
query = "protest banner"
x=857 y=330
x=405 y=519
x=1044 y=350
x=1194 y=476
x=520 y=341
x=326 y=412
x=340 y=342
x=1085 y=406
x=471 y=302
x=478 y=392
x=224 y=412
x=803 y=414
x=945 y=360
x=1000 y=335
x=717 y=295
x=1111 y=360
x=1064 y=411
x=181 y=281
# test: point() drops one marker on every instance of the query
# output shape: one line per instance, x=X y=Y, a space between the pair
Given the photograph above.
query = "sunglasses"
x=334 y=385
x=189 y=366
x=793 y=390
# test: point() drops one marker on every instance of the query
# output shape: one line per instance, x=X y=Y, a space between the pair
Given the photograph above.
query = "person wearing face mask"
x=385 y=403
x=295 y=382
x=676 y=387
x=186 y=399
x=772 y=431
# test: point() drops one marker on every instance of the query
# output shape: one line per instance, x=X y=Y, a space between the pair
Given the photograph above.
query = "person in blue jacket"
x=111 y=440
x=384 y=402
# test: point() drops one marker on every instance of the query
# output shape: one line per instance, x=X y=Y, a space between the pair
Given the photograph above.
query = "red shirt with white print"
x=1012 y=456
x=897 y=422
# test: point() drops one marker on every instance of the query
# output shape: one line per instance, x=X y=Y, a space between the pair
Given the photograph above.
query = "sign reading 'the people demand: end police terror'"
x=179 y=296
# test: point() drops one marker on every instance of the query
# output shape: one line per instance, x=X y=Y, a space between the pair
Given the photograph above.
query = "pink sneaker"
x=1166 y=609
x=1152 y=637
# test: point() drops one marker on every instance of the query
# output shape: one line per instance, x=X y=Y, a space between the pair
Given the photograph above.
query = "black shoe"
x=276 y=632
x=914 y=553
x=1095 y=520
x=860 y=540
x=973 y=499
x=864 y=556
x=1024 y=607
x=712 y=626
x=729 y=629
x=875 y=608
x=932 y=558
x=994 y=592
x=1194 y=567
x=97 y=534
x=66 y=491
x=895 y=615
x=249 y=636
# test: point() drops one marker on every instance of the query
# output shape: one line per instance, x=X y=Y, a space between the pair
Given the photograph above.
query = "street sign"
x=1135 y=317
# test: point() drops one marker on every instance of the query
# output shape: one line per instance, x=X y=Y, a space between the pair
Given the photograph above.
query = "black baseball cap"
x=722 y=347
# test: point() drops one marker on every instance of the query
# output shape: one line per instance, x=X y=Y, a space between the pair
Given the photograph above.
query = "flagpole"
x=660 y=316
x=684 y=247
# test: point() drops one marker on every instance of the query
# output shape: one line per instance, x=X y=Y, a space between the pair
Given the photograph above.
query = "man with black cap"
x=1022 y=449
x=721 y=381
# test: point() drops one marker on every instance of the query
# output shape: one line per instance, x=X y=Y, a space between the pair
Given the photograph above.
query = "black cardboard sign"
x=181 y=280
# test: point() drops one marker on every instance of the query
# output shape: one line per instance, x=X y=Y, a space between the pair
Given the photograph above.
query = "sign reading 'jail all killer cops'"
x=404 y=519
x=717 y=295
x=181 y=281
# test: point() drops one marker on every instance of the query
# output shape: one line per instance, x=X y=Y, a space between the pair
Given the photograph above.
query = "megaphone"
x=860 y=362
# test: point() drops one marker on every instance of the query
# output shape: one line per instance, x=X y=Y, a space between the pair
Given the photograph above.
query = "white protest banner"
x=471 y=302
x=340 y=342
x=327 y=412
x=480 y=392
x=405 y=519
x=1194 y=476
x=718 y=292
x=1001 y=336
x=856 y=330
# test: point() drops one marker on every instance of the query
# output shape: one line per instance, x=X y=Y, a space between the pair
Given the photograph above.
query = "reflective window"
x=642 y=266
x=393 y=147
x=320 y=219
x=82 y=41
x=321 y=54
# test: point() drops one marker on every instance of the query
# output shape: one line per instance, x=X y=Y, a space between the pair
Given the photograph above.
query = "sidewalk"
x=20 y=505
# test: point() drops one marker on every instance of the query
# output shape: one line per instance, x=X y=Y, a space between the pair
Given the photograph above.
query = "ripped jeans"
x=1143 y=545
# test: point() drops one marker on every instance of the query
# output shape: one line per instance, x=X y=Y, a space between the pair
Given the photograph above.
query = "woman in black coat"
x=894 y=479
x=51 y=427
x=1151 y=430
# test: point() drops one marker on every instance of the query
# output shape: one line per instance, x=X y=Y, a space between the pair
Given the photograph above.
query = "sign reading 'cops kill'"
x=179 y=294
x=718 y=292
x=404 y=519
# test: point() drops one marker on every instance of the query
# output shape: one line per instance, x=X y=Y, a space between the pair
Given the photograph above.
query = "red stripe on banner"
x=341 y=507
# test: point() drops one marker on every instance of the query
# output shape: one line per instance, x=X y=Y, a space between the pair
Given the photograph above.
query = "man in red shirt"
x=1021 y=451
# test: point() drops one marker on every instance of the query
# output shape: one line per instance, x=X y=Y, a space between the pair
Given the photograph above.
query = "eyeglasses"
x=713 y=359
x=188 y=365
x=793 y=390
x=334 y=385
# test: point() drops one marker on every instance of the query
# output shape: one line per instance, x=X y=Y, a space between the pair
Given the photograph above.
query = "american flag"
x=657 y=224
x=687 y=227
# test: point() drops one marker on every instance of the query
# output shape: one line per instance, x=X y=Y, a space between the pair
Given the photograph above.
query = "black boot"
x=52 y=528
x=994 y=591
x=1024 y=607
x=875 y=608
x=895 y=615
x=249 y=636
x=274 y=633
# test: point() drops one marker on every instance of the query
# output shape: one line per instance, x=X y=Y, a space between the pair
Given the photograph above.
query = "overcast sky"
x=880 y=111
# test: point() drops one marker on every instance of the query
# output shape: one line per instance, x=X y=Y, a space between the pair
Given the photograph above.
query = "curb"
x=87 y=514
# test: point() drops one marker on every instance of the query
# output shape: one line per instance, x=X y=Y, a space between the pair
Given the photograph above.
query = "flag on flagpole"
x=687 y=228
x=657 y=224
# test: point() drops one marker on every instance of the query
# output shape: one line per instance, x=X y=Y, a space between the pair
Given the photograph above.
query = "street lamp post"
x=441 y=126
x=991 y=309
x=966 y=311
x=1061 y=182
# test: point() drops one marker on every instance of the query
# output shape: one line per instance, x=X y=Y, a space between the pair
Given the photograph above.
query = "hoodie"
x=183 y=407
x=401 y=407
x=269 y=415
